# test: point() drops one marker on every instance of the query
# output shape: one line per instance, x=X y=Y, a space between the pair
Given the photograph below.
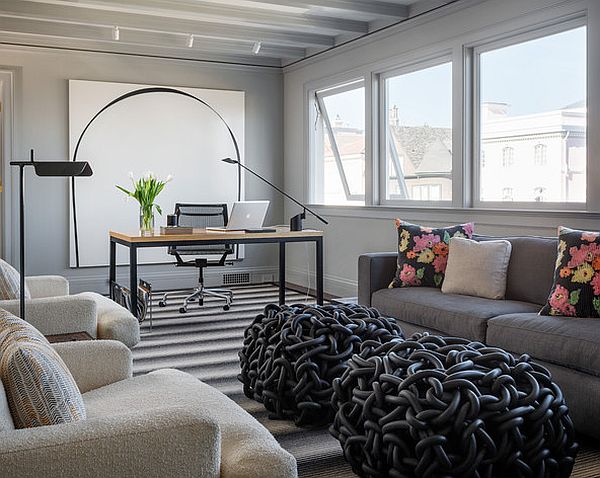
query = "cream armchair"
x=52 y=310
x=165 y=423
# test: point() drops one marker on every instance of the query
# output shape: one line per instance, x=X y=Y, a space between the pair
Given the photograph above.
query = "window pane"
x=533 y=120
x=340 y=160
x=419 y=135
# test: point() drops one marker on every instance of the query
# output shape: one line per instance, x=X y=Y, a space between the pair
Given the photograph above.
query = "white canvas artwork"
x=164 y=133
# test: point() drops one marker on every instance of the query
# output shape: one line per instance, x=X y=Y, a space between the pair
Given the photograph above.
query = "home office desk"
x=201 y=237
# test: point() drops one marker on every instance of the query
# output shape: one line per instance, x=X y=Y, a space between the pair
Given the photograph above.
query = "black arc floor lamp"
x=295 y=221
x=61 y=169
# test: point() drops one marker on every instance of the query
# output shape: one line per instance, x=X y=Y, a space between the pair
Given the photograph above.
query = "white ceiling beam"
x=67 y=14
x=137 y=38
x=379 y=8
x=37 y=41
x=206 y=11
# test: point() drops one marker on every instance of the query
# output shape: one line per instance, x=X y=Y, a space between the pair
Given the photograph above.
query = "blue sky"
x=539 y=75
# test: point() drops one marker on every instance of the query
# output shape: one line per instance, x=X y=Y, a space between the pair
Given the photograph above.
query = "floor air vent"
x=236 y=278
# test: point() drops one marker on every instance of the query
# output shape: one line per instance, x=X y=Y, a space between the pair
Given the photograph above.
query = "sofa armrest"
x=57 y=315
x=47 y=286
x=375 y=271
x=155 y=443
x=96 y=363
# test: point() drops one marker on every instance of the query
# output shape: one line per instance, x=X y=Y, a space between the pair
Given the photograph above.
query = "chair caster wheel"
x=226 y=307
x=182 y=310
x=162 y=303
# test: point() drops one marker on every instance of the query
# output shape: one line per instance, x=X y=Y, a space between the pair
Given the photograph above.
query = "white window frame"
x=382 y=76
x=507 y=41
x=313 y=136
x=327 y=129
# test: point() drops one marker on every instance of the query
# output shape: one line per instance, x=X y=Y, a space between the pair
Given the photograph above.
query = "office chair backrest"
x=201 y=215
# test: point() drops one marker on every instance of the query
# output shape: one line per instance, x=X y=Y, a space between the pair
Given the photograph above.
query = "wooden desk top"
x=202 y=234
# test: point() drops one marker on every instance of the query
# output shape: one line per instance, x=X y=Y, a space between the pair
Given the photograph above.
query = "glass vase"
x=146 y=221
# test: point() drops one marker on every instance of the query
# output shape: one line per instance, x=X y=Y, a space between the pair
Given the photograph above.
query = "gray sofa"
x=569 y=348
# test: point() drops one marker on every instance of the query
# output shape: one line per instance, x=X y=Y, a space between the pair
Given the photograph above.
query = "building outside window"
x=540 y=155
x=418 y=133
x=533 y=116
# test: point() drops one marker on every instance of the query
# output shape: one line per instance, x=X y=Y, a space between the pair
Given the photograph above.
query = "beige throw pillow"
x=477 y=268
x=39 y=388
x=10 y=286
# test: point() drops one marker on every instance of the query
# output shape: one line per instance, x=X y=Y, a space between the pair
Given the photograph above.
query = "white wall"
x=41 y=122
x=352 y=230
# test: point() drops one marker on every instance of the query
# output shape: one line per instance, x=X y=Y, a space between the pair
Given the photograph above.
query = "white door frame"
x=8 y=231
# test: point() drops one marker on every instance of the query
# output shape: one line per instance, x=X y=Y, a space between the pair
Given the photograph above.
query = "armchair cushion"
x=248 y=450
x=47 y=286
x=6 y=421
x=96 y=363
x=58 y=315
x=39 y=387
x=10 y=282
x=150 y=443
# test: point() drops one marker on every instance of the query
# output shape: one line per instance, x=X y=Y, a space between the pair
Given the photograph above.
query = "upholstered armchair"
x=165 y=423
x=52 y=310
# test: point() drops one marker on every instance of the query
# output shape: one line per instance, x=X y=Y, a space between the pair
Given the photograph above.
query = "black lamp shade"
x=62 y=168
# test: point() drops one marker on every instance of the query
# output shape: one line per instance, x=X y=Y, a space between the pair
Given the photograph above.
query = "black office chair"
x=200 y=216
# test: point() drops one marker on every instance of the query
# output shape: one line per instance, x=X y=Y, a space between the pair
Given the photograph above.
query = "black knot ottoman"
x=446 y=407
x=291 y=354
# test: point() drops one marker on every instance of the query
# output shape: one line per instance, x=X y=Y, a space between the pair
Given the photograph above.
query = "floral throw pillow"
x=576 y=289
x=423 y=253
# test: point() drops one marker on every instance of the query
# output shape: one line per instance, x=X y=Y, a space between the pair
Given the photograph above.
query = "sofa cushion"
x=423 y=253
x=569 y=342
x=10 y=282
x=452 y=314
x=531 y=267
x=477 y=268
x=247 y=448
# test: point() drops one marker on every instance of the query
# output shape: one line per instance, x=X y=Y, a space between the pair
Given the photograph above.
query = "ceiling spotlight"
x=256 y=47
x=190 y=42
x=116 y=34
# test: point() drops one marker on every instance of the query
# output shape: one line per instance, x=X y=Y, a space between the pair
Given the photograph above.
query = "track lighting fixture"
x=190 y=42
x=116 y=34
x=256 y=47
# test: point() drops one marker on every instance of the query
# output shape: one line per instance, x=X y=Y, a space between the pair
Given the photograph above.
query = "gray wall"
x=41 y=122
x=353 y=230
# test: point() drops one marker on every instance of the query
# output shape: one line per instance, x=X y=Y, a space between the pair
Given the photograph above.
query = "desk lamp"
x=62 y=169
x=295 y=221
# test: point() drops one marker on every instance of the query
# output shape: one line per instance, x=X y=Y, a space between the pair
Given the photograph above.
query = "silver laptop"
x=245 y=215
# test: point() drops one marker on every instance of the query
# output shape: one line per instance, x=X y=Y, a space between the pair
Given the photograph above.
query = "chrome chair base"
x=198 y=294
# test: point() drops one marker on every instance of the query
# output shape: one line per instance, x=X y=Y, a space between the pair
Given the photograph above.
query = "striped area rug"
x=205 y=342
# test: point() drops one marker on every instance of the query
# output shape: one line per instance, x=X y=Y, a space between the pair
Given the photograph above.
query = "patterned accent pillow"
x=576 y=289
x=423 y=253
x=10 y=286
x=39 y=388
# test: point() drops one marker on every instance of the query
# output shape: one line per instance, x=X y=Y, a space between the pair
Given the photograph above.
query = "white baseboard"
x=176 y=278
x=334 y=285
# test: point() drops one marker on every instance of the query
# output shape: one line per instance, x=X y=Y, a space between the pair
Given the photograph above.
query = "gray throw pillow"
x=477 y=268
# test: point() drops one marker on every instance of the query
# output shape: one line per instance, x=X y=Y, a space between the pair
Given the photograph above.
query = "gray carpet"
x=205 y=343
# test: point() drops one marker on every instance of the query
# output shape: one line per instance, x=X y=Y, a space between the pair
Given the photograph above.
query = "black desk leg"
x=133 y=279
x=281 y=273
x=112 y=267
x=319 y=244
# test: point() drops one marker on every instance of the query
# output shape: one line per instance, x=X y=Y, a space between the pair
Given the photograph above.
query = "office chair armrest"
x=96 y=363
x=153 y=443
x=47 y=286
x=57 y=315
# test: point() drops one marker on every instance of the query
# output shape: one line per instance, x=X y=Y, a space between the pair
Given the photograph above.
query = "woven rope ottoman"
x=446 y=407
x=292 y=354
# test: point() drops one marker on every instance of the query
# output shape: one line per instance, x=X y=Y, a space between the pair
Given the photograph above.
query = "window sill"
x=532 y=218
